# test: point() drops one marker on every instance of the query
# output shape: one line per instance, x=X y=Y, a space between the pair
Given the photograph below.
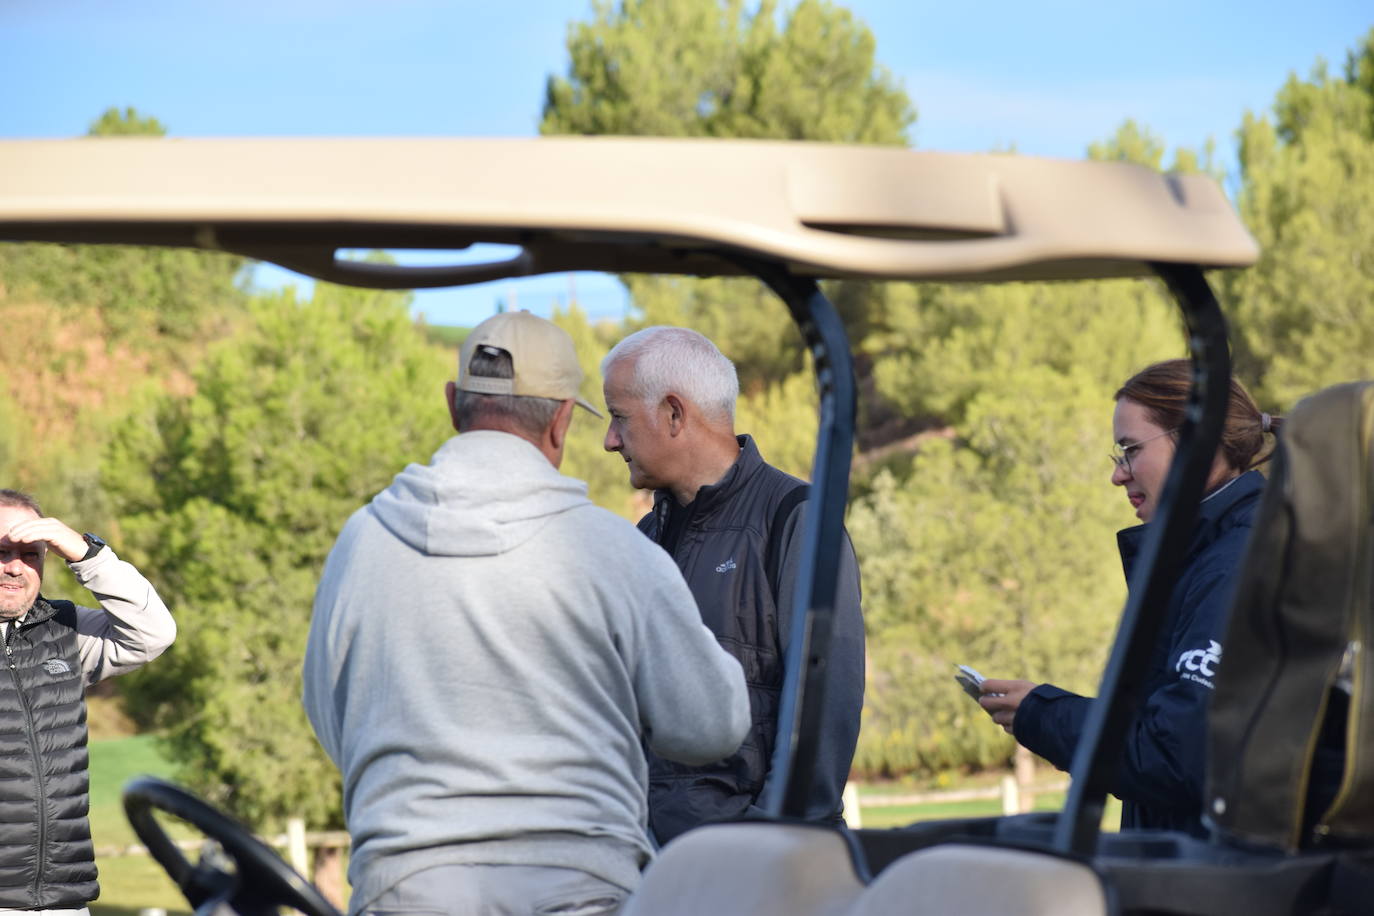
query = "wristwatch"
x=93 y=545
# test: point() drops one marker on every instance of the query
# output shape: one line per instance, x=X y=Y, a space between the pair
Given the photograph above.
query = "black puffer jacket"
x=46 y=859
x=721 y=547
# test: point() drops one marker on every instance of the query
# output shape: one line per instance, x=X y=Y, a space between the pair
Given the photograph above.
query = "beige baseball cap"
x=541 y=353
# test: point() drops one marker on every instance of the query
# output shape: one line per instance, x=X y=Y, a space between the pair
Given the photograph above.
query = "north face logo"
x=1201 y=661
x=726 y=566
x=56 y=666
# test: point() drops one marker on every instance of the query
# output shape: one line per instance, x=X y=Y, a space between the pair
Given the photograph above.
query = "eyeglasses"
x=1121 y=454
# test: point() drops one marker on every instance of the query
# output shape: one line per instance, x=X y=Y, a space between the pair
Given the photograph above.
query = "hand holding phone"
x=970 y=680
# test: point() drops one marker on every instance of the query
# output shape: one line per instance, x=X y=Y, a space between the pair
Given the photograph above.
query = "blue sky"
x=1047 y=77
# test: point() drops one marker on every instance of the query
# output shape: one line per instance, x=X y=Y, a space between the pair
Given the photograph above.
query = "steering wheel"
x=263 y=881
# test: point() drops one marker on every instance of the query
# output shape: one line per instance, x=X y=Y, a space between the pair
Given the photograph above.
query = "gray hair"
x=682 y=361
x=16 y=499
x=530 y=416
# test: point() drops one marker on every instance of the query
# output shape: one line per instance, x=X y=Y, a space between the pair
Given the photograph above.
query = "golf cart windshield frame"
x=1098 y=754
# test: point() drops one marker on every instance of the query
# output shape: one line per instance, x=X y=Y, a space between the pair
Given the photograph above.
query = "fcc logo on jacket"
x=1200 y=665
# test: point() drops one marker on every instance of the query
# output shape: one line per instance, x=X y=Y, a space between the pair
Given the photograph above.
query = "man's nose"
x=612 y=441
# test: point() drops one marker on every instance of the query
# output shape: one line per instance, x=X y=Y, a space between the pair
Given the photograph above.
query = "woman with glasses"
x=1160 y=782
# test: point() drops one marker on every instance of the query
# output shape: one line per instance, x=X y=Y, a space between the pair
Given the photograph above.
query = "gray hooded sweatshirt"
x=487 y=652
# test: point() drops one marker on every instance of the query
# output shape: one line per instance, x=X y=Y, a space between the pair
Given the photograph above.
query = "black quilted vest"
x=722 y=554
x=46 y=857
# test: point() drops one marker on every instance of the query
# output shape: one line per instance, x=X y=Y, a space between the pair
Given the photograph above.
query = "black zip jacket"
x=46 y=858
x=721 y=546
x=1160 y=780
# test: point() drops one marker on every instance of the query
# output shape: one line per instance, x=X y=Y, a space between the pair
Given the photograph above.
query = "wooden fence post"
x=1011 y=798
x=852 y=817
x=296 y=852
x=1023 y=761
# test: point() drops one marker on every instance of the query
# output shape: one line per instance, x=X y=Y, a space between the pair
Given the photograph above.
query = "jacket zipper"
x=40 y=794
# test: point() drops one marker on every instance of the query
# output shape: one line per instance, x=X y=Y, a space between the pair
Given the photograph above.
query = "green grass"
x=127 y=883
x=879 y=816
x=113 y=763
x=134 y=883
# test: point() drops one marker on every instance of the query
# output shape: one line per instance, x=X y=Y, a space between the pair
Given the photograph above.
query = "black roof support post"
x=803 y=695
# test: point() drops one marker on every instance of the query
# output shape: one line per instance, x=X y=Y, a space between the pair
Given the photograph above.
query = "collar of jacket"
x=712 y=497
x=42 y=609
x=1214 y=516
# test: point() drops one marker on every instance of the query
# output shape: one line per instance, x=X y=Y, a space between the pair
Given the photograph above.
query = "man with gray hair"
x=489 y=653
x=732 y=523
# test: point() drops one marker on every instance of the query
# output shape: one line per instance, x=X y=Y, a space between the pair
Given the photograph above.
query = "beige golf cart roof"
x=621 y=204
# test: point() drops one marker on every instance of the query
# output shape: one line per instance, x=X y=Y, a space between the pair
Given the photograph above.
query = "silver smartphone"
x=970 y=680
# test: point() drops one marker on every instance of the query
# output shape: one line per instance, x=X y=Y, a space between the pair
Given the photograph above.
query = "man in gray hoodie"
x=490 y=652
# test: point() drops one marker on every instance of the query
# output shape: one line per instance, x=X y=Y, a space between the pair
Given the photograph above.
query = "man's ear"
x=451 y=398
x=557 y=434
x=677 y=414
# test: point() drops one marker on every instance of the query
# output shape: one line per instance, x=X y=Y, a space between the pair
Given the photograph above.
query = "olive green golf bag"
x=1291 y=738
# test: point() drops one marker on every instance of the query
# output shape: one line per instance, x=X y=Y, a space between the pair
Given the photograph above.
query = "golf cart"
x=791 y=215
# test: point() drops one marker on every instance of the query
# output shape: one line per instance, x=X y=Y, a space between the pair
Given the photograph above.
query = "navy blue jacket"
x=1160 y=782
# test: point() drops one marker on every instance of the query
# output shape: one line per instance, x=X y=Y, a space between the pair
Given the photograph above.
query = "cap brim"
x=589 y=408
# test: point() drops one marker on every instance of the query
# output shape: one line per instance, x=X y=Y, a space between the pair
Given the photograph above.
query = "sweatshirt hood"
x=484 y=493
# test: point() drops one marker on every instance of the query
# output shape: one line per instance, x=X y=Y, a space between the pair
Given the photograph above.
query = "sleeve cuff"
x=1040 y=729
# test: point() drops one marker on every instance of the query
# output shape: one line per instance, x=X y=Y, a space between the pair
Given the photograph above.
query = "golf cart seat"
x=967 y=878
x=755 y=867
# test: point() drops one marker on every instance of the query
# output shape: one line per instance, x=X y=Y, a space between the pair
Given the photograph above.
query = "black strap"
x=771 y=558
